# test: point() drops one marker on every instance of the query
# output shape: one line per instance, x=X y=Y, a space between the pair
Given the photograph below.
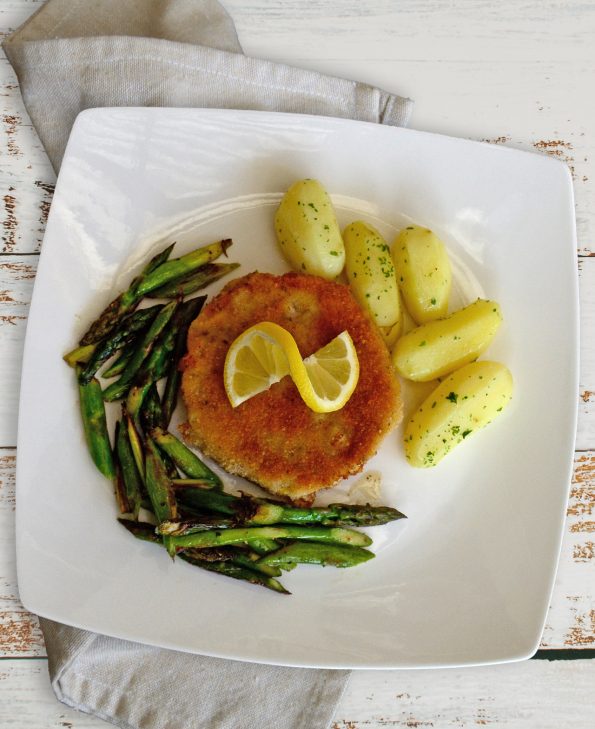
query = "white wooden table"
x=515 y=73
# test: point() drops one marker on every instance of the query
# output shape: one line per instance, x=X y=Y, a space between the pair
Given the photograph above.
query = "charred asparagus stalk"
x=186 y=314
x=239 y=573
x=252 y=511
x=151 y=412
x=221 y=537
x=131 y=478
x=203 y=277
x=124 y=334
x=79 y=355
x=311 y=553
x=222 y=561
x=344 y=515
x=200 y=496
x=95 y=426
x=158 y=484
x=181 y=267
x=141 y=530
x=119 y=388
x=126 y=302
x=120 y=363
x=121 y=497
x=136 y=443
x=238 y=555
x=185 y=459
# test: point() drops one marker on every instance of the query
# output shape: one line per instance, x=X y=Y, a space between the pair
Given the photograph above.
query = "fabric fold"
x=73 y=55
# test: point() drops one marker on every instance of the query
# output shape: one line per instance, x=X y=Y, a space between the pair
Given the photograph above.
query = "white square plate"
x=467 y=577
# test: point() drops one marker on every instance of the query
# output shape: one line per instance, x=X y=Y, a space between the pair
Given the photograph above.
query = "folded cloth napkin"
x=76 y=54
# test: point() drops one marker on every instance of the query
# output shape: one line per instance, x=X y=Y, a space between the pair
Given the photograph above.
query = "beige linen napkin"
x=77 y=54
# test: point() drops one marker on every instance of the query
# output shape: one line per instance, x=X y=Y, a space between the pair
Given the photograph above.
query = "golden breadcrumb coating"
x=274 y=439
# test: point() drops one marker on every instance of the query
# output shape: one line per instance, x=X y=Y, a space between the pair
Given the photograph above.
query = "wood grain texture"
x=19 y=630
x=540 y=694
x=17 y=276
x=529 y=695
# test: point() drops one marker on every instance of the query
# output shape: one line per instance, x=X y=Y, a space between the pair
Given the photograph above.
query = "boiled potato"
x=439 y=347
x=371 y=273
x=423 y=273
x=308 y=232
x=461 y=405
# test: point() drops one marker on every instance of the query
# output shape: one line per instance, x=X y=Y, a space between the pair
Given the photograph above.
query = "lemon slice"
x=266 y=352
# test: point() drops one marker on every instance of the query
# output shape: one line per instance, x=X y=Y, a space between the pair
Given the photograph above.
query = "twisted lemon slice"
x=266 y=352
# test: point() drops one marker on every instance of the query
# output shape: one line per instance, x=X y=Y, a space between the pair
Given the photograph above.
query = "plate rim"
x=521 y=654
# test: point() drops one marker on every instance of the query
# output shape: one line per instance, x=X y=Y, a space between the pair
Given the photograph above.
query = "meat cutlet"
x=274 y=439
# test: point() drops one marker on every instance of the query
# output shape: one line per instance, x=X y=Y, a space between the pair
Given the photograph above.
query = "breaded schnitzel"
x=274 y=439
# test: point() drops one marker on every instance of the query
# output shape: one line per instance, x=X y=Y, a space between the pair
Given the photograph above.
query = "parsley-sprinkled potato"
x=461 y=405
x=308 y=232
x=371 y=273
x=423 y=273
x=439 y=347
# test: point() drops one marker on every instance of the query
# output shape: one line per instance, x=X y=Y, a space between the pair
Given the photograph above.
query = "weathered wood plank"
x=17 y=275
x=571 y=618
x=411 y=29
x=19 y=630
x=532 y=694
x=529 y=695
x=570 y=622
x=26 y=180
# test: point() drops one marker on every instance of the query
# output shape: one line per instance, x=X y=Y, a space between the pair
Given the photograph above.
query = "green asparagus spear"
x=198 y=498
x=124 y=334
x=217 y=538
x=119 y=388
x=203 y=277
x=236 y=555
x=215 y=560
x=132 y=480
x=263 y=546
x=171 y=528
x=156 y=364
x=312 y=553
x=151 y=413
x=159 y=485
x=79 y=355
x=253 y=511
x=269 y=512
x=136 y=443
x=141 y=530
x=245 y=559
x=181 y=267
x=121 y=496
x=185 y=459
x=126 y=302
x=95 y=426
x=120 y=363
x=186 y=314
x=239 y=573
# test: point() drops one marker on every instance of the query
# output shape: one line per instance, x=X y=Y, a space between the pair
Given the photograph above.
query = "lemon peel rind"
x=298 y=368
